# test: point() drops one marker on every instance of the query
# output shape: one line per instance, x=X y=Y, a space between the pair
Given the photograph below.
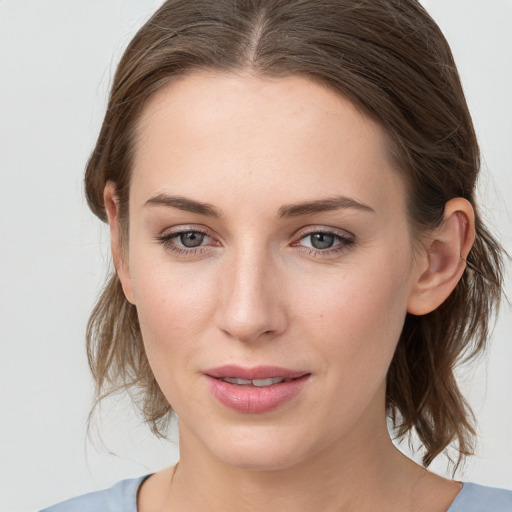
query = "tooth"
x=266 y=382
x=233 y=380
x=260 y=383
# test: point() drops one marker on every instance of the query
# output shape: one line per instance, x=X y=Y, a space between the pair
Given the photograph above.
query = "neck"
x=320 y=484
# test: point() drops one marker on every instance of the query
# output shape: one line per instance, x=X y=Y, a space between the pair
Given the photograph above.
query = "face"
x=271 y=264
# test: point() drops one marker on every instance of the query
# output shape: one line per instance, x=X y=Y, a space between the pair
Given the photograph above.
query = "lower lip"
x=252 y=399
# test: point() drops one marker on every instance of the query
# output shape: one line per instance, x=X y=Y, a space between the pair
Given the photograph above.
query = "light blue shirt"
x=122 y=497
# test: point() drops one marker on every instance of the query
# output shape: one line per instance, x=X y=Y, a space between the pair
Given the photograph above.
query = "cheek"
x=174 y=306
x=360 y=298
x=358 y=314
x=173 y=309
x=170 y=291
x=356 y=327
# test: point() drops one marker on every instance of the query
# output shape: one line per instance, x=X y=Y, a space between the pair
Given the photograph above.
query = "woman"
x=290 y=190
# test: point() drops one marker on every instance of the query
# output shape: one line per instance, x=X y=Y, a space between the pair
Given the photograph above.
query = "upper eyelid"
x=178 y=230
x=311 y=230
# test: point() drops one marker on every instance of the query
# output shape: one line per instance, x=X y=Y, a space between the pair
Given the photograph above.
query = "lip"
x=254 y=400
x=257 y=372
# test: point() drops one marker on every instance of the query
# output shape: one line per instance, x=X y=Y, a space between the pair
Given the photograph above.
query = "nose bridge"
x=251 y=304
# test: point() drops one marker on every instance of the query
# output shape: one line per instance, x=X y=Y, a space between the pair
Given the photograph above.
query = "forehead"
x=219 y=134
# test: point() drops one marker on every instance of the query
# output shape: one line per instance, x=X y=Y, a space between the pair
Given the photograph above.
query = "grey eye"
x=191 y=239
x=322 y=240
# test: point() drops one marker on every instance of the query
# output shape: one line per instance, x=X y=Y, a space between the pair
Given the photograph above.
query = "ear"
x=443 y=260
x=119 y=254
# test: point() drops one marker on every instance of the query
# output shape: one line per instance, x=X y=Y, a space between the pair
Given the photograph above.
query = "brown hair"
x=389 y=58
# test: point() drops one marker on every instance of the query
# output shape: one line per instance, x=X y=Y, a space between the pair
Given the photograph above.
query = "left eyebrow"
x=322 y=205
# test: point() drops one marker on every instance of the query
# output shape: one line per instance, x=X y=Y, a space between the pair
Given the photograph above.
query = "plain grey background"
x=57 y=58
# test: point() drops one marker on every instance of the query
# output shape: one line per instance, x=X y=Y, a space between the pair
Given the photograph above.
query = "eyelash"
x=168 y=241
x=344 y=241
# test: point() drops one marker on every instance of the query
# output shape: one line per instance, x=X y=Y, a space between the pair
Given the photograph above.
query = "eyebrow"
x=182 y=203
x=322 y=205
x=291 y=210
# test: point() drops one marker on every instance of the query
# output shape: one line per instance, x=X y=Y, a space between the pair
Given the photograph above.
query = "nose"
x=252 y=299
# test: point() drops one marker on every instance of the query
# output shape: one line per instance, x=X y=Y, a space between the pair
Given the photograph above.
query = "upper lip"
x=257 y=372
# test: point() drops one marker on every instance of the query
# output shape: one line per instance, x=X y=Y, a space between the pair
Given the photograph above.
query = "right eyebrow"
x=182 y=203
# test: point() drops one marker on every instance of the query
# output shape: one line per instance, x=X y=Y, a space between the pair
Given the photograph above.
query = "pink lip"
x=251 y=399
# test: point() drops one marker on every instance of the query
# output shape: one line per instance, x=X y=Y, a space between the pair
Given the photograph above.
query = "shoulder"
x=478 y=498
x=122 y=497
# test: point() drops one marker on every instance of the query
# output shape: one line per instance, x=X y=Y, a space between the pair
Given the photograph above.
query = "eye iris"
x=192 y=239
x=322 y=241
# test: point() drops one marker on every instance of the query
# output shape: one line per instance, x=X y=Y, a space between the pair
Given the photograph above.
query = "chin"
x=259 y=449
x=260 y=460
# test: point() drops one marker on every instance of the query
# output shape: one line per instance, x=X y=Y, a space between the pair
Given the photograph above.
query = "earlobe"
x=118 y=255
x=444 y=259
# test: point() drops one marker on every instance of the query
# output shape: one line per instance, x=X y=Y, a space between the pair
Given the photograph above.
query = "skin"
x=256 y=292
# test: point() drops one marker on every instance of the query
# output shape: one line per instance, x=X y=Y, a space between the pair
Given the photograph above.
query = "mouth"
x=259 y=376
x=255 y=390
x=259 y=383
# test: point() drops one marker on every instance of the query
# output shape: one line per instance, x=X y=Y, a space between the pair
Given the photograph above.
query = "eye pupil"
x=192 y=239
x=322 y=241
